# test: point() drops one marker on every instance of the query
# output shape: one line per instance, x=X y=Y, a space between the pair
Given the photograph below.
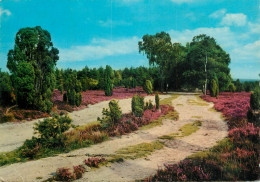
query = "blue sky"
x=100 y=32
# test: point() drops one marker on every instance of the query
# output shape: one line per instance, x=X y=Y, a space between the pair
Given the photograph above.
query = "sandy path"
x=13 y=135
x=213 y=129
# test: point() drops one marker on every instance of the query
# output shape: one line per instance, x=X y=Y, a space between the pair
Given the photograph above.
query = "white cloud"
x=100 y=48
x=254 y=27
x=218 y=14
x=223 y=35
x=238 y=19
x=4 y=11
x=248 y=53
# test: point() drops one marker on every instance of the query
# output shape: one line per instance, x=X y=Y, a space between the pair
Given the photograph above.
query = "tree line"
x=201 y=63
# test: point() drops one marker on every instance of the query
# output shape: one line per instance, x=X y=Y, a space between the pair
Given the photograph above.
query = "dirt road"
x=13 y=135
x=190 y=109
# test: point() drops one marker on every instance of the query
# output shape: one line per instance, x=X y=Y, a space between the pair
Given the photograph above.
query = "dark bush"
x=157 y=101
x=255 y=100
x=94 y=161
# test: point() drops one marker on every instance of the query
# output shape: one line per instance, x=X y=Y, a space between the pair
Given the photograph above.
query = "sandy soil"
x=13 y=135
x=213 y=129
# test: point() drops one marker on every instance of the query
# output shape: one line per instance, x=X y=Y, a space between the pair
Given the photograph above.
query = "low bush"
x=51 y=130
x=64 y=174
x=78 y=171
x=94 y=161
x=188 y=170
x=30 y=148
x=148 y=105
x=111 y=115
x=239 y=136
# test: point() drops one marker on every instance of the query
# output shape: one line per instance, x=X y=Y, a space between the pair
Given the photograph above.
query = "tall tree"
x=34 y=49
x=203 y=53
x=158 y=49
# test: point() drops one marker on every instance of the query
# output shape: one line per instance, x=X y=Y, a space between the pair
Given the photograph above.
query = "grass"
x=190 y=128
x=171 y=115
x=197 y=117
x=212 y=109
x=198 y=101
x=136 y=151
x=185 y=130
x=168 y=101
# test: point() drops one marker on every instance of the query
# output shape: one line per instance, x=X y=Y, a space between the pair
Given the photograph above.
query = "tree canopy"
x=33 y=59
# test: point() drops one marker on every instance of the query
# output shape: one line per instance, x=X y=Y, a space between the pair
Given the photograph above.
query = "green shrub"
x=30 y=148
x=137 y=105
x=108 y=87
x=255 y=100
x=231 y=87
x=148 y=88
x=157 y=101
x=111 y=115
x=51 y=130
x=78 y=99
x=214 y=90
x=148 y=105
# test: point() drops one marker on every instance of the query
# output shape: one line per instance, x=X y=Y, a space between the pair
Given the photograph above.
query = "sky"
x=96 y=33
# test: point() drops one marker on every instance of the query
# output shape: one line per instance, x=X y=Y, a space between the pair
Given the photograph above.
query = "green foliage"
x=31 y=64
x=148 y=88
x=255 y=100
x=239 y=86
x=6 y=94
x=148 y=105
x=157 y=101
x=108 y=82
x=111 y=115
x=214 y=91
x=51 y=130
x=30 y=148
x=89 y=84
x=159 y=51
x=23 y=80
x=73 y=87
x=78 y=99
x=231 y=87
x=108 y=87
x=137 y=105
